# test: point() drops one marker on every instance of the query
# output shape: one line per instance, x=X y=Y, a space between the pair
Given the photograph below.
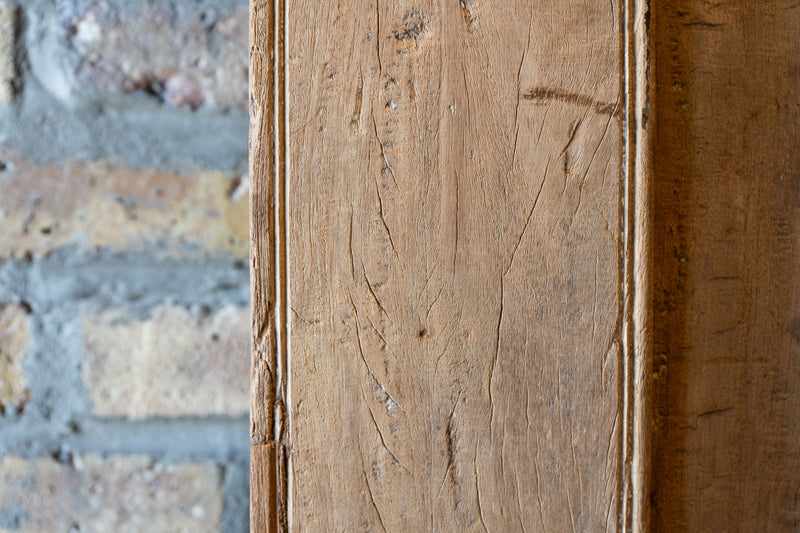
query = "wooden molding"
x=331 y=95
x=269 y=428
x=638 y=88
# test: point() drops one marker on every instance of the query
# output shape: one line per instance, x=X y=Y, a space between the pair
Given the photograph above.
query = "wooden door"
x=453 y=205
x=449 y=223
x=449 y=214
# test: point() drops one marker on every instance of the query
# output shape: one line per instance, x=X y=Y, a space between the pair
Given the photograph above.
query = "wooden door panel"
x=445 y=265
x=726 y=447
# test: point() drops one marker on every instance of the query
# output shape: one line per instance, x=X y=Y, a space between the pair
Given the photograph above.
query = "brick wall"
x=124 y=318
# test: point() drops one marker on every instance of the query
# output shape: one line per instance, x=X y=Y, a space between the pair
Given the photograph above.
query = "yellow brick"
x=13 y=345
x=119 y=495
x=175 y=363
x=106 y=204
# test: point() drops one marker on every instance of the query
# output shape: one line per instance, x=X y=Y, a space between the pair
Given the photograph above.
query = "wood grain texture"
x=449 y=265
x=727 y=334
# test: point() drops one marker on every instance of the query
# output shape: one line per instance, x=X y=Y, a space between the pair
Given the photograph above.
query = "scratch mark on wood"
x=519 y=505
x=372 y=499
x=519 y=89
x=572 y=131
x=530 y=214
x=715 y=412
x=585 y=175
x=350 y=244
x=378 y=36
x=383 y=440
x=478 y=490
x=455 y=248
x=539 y=485
x=383 y=152
x=383 y=338
x=372 y=291
x=496 y=352
x=354 y=121
x=383 y=219
x=450 y=436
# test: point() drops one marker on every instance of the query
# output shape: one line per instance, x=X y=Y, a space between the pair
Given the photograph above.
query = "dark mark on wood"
x=413 y=26
x=544 y=94
x=466 y=12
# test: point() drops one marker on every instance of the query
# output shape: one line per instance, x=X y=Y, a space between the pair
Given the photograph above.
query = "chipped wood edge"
x=270 y=482
x=638 y=117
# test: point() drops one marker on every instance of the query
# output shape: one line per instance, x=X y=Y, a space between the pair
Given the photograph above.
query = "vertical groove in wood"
x=285 y=387
x=626 y=311
x=280 y=237
x=643 y=267
x=637 y=265
x=269 y=266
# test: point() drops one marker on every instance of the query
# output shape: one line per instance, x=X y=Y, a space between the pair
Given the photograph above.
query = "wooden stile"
x=450 y=265
x=727 y=336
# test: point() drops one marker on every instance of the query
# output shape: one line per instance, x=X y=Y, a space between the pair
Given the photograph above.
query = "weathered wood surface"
x=443 y=267
x=727 y=445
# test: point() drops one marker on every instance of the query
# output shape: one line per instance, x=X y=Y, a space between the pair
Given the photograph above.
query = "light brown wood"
x=727 y=446
x=450 y=265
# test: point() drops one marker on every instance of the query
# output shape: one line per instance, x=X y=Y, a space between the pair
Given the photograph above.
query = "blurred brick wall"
x=124 y=318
